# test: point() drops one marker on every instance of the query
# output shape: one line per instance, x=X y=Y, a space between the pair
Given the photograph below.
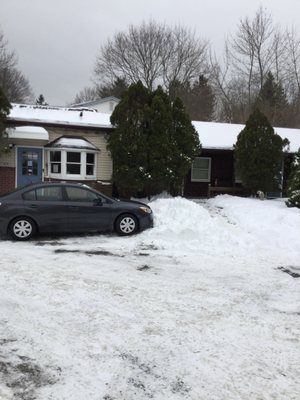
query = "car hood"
x=131 y=203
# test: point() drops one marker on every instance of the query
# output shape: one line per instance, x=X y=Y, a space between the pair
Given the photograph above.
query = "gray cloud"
x=57 y=40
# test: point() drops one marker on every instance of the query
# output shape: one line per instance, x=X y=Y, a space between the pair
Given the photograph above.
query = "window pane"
x=29 y=195
x=55 y=168
x=90 y=158
x=78 y=194
x=201 y=163
x=53 y=193
x=29 y=163
x=73 y=157
x=201 y=169
x=73 y=169
x=55 y=156
x=90 y=169
x=200 y=174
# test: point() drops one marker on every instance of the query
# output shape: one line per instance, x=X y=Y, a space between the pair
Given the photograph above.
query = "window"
x=90 y=164
x=72 y=164
x=81 y=195
x=51 y=193
x=29 y=163
x=201 y=169
x=55 y=162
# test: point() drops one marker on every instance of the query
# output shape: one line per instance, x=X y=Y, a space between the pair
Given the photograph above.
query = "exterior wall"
x=104 y=162
x=7 y=179
x=222 y=173
x=98 y=138
x=7 y=171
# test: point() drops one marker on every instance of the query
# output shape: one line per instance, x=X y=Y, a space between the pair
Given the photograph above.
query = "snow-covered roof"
x=96 y=102
x=217 y=135
x=59 y=116
x=72 y=142
x=27 y=132
x=213 y=135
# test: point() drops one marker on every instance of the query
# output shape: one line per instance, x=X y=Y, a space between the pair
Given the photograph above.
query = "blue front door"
x=29 y=165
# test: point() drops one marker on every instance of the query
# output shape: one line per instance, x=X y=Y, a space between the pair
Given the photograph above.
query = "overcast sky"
x=57 y=40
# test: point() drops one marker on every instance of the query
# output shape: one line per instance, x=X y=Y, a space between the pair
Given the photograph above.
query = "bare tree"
x=154 y=54
x=257 y=48
x=13 y=83
x=254 y=51
x=86 y=94
x=115 y=89
x=293 y=60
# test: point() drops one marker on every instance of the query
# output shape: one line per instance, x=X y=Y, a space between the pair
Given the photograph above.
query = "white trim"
x=208 y=171
x=63 y=175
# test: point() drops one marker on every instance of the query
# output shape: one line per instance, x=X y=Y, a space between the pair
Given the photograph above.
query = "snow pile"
x=203 y=306
x=270 y=224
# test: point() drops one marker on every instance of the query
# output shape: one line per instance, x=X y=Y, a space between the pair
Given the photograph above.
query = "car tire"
x=126 y=225
x=22 y=228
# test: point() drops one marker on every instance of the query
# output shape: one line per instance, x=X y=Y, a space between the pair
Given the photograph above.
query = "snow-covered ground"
x=206 y=305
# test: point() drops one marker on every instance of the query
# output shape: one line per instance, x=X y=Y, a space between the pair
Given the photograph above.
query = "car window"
x=81 y=195
x=51 y=193
x=31 y=195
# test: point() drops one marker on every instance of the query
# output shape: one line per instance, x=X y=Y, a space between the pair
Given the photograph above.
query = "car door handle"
x=32 y=206
x=74 y=207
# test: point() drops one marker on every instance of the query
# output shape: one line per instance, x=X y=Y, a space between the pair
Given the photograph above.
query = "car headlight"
x=146 y=210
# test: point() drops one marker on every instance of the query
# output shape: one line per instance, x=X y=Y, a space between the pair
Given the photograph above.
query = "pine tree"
x=294 y=183
x=153 y=142
x=259 y=154
x=187 y=140
x=272 y=101
x=114 y=89
x=198 y=98
x=41 y=101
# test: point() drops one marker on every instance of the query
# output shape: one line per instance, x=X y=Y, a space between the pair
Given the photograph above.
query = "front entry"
x=29 y=165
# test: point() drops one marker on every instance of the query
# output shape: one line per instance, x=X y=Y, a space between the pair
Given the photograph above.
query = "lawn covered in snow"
x=206 y=305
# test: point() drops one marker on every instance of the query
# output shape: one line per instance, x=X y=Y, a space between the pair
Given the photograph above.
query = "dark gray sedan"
x=68 y=208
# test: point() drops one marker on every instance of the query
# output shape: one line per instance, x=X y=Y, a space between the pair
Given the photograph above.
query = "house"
x=213 y=171
x=54 y=143
x=104 y=105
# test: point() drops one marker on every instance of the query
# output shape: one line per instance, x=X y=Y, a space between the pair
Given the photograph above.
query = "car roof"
x=43 y=184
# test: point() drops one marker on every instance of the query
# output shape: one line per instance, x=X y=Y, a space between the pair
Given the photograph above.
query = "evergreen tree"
x=4 y=111
x=153 y=143
x=114 y=89
x=41 y=101
x=294 y=183
x=272 y=101
x=187 y=140
x=259 y=154
x=128 y=142
x=198 y=98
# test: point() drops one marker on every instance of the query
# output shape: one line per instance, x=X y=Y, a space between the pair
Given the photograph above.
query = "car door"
x=47 y=206
x=88 y=210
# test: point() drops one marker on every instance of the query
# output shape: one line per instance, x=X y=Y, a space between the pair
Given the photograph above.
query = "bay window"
x=71 y=164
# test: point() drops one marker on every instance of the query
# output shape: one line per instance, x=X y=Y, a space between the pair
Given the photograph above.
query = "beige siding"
x=8 y=159
x=104 y=162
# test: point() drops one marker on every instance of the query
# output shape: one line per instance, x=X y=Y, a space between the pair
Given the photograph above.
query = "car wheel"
x=126 y=224
x=22 y=228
